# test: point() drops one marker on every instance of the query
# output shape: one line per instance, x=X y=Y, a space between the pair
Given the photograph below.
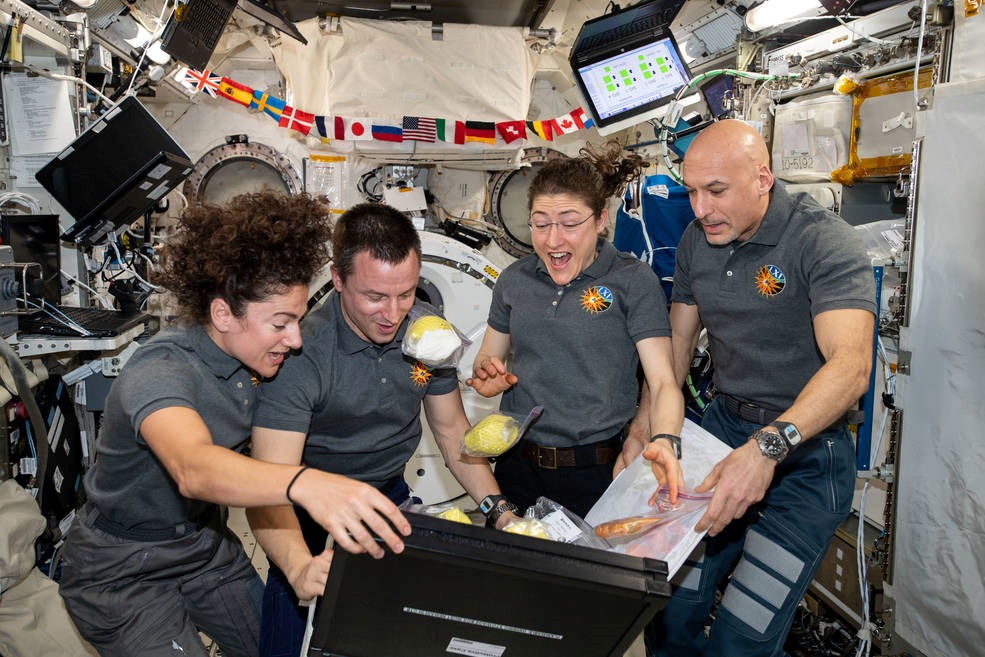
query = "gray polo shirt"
x=574 y=345
x=359 y=403
x=185 y=368
x=758 y=298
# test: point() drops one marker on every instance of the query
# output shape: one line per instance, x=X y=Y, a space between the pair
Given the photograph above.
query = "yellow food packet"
x=492 y=435
x=455 y=515
x=528 y=527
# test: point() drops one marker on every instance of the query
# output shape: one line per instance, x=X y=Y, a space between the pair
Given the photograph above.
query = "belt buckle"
x=541 y=450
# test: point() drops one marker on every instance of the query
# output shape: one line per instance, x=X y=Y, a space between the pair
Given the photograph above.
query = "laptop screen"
x=626 y=81
x=464 y=590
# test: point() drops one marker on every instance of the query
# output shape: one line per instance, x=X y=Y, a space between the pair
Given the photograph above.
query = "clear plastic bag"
x=563 y=525
x=445 y=511
x=497 y=432
x=662 y=512
x=528 y=527
x=432 y=339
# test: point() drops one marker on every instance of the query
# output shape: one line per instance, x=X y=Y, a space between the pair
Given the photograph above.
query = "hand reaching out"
x=490 y=377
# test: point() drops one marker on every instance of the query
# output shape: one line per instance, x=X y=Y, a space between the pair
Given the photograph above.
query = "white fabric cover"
x=940 y=551
x=391 y=69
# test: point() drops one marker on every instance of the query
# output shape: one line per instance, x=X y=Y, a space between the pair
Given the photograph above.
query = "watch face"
x=772 y=445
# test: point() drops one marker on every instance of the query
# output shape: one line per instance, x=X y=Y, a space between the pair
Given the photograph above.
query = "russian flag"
x=387 y=133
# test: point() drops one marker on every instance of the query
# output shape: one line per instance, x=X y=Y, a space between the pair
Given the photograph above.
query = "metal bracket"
x=903 y=363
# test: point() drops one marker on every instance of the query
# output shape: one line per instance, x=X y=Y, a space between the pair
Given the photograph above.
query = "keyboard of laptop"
x=99 y=322
x=623 y=32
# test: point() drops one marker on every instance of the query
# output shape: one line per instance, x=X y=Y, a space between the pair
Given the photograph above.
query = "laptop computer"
x=119 y=168
x=464 y=590
x=641 y=22
x=193 y=31
x=65 y=321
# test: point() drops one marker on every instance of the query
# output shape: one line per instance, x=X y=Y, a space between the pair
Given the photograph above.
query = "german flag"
x=236 y=92
x=482 y=131
x=542 y=129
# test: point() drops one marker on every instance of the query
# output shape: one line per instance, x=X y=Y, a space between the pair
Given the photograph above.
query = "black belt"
x=761 y=415
x=551 y=458
x=152 y=534
x=750 y=412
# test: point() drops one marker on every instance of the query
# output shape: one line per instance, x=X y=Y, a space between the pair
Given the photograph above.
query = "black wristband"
x=674 y=440
x=287 y=493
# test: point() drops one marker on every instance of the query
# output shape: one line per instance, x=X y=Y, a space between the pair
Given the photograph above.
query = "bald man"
x=786 y=292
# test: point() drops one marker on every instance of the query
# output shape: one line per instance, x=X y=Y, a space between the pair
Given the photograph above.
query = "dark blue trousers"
x=283 y=620
x=775 y=549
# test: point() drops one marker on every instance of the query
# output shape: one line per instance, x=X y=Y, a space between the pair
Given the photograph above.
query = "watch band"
x=789 y=432
x=505 y=505
x=674 y=440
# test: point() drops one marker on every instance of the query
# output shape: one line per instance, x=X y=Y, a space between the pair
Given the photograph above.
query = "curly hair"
x=256 y=245
x=387 y=233
x=594 y=176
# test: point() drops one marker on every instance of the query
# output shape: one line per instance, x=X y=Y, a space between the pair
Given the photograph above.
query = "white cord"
x=161 y=24
x=865 y=644
x=28 y=201
x=916 y=64
x=119 y=259
x=64 y=319
x=45 y=73
x=98 y=296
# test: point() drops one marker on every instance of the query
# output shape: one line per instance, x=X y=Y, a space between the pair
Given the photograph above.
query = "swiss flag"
x=511 y=130
x=570 y=122
x=296 y=119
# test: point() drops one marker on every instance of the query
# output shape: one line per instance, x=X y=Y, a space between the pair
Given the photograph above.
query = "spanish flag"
x=236 y=92
x=483 y=131
x=542 y=129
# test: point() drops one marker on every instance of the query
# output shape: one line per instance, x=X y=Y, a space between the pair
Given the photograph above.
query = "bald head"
x=727 y=174
x=729 y=140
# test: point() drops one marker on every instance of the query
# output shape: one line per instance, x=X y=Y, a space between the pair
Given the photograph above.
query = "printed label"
x=560 y=527
x=474 y=648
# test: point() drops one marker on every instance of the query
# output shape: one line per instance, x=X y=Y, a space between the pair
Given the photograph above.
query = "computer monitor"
x=628 y=65
x=116 y=170
x=34 y=238
x=715 y=92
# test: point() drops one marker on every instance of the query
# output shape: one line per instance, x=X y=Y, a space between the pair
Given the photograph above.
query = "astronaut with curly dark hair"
x=149 y=561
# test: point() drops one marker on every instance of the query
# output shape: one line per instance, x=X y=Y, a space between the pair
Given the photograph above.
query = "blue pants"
x=775 y=548
x=283 y=620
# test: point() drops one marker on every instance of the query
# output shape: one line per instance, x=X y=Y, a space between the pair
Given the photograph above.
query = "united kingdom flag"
x=200 y=81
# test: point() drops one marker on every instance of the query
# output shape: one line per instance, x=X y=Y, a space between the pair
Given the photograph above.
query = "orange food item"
x=626 y=526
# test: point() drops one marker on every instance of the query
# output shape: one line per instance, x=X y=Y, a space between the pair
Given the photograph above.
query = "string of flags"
x=411 y=128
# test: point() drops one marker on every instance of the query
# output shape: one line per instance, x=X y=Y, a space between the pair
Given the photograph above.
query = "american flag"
x=418 y=128
x=200 y=81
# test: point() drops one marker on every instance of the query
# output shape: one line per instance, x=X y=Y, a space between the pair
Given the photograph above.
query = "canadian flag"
x=570 y=122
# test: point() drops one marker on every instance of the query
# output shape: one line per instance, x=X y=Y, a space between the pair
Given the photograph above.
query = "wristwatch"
x=771 y=444
x=494 y=506
x=674 y=440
